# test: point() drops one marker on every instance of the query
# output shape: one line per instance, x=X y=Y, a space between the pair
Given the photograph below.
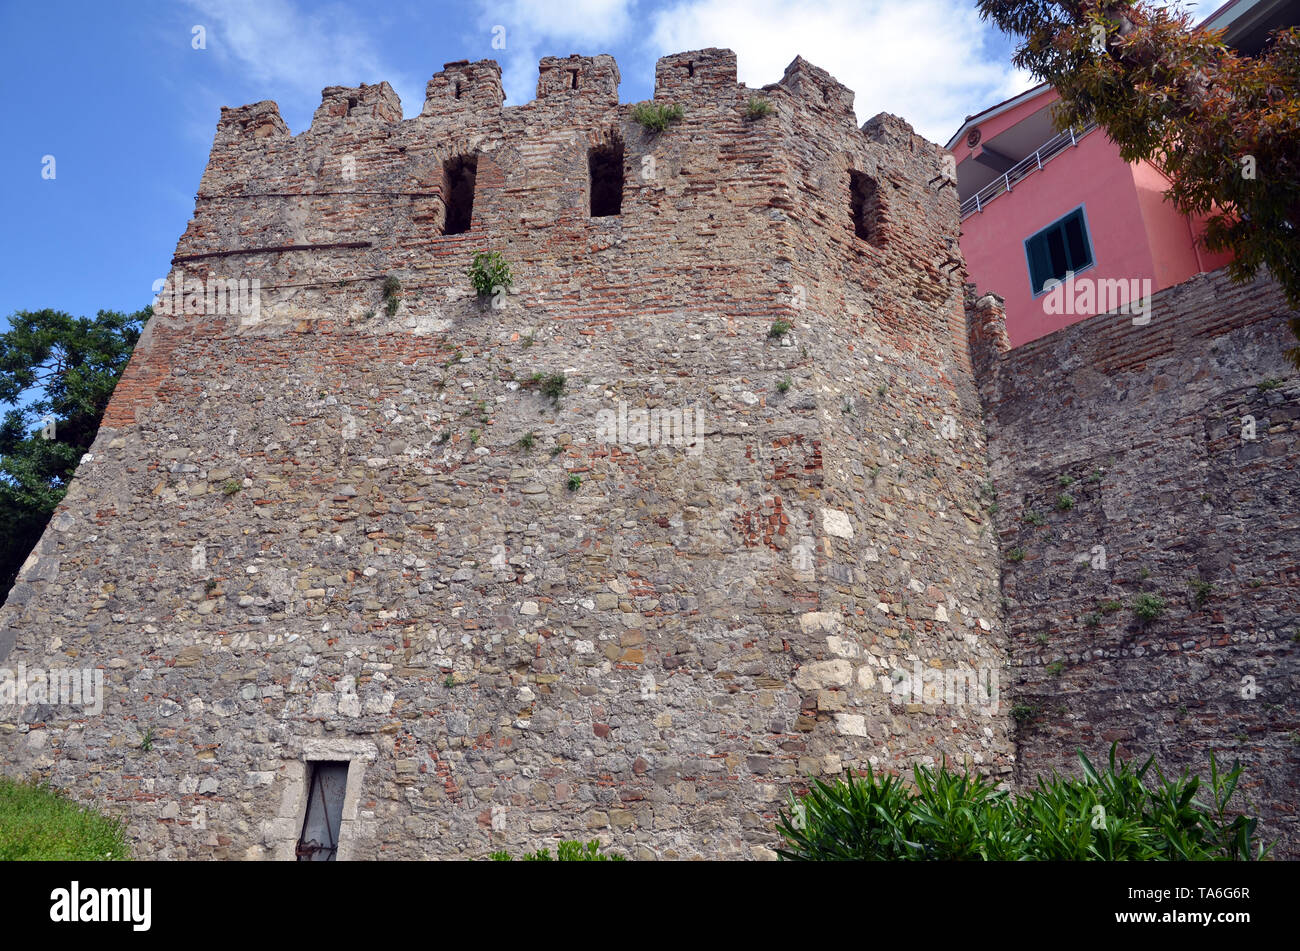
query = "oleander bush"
x=1108 y=814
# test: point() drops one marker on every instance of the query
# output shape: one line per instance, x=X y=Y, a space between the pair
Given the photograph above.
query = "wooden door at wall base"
x=326 y=785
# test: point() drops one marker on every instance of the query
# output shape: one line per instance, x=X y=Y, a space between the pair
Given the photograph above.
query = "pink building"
x=1039 y=208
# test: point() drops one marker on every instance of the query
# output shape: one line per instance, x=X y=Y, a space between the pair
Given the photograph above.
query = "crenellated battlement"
x=349 y=104
x=472 y=93
x=258 y=120
x=373 y=192
x=593 y=78
x=818 y=88
x=463 y=87
x=695 y=74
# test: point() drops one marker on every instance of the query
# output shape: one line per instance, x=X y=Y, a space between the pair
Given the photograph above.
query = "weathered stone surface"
x=1145 y=428
x=324 y=531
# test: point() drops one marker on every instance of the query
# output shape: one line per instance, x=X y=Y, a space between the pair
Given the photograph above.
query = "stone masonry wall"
x=322 y=531
x=1124 y=467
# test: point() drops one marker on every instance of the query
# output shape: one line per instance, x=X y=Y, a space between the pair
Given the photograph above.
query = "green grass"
x=757 y=108
x=568 y=851
x=38 y=823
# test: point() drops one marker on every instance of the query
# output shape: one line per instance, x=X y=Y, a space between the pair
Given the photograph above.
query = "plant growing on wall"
x=392 y=288
x=551 y=384
x=1148 y=607
x=1201 y=591
x=655 y=116
x=490 y=274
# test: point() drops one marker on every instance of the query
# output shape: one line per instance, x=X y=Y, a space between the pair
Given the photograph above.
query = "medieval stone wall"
x=1157 y=461
x=323 y=532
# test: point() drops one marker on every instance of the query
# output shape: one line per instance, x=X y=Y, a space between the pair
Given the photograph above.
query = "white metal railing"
x=1024 y=168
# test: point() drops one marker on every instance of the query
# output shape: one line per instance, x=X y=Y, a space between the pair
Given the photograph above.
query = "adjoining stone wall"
x=1124 y=467
x=323 y=532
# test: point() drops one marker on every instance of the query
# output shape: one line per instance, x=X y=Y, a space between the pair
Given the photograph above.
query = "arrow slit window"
x=865 y=204
x=459 y=175
x=605 y=167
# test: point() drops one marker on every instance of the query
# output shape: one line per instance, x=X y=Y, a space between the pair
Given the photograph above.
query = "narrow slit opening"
x=605 y=167
x=459 y=175
x=864 y=205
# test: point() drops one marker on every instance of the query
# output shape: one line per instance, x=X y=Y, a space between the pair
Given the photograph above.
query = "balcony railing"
x=1024 y=168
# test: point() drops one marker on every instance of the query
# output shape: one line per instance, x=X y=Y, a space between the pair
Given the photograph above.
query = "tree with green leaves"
x=57 y=373
x=1224 y=126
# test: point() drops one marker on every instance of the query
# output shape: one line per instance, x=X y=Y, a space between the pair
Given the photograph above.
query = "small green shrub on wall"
x=655 y=116
x=490 y=274
x=392 y=289
x=1111 y=814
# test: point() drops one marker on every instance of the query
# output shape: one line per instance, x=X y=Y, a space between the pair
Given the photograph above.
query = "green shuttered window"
x=1060 y=247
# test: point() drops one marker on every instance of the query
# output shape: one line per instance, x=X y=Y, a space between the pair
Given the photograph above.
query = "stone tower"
x=689 y=514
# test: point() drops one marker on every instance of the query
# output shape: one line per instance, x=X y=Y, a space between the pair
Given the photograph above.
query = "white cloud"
x=925 y=60
x=534 y=28
x=289 y=54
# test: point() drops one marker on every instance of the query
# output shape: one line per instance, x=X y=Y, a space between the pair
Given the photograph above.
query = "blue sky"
x=118 y=95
